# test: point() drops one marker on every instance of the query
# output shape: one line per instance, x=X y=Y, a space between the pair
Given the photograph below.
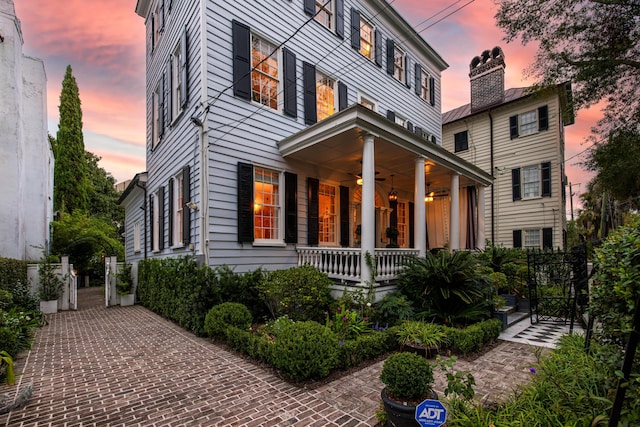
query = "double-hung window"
x=367 y=39
x=267 y=205
x=178 y=205
x=530 y=182
x=528 y=123
x=532 y=239
x=327 y=230
x=264 y=72
x=325 y=95
x=367 y=101
x=136 y=236
x=176 y=81
x=424 y=85
x=155 y=119
x=399 y=64
x=325 y=13
x=402 y=224
x=156 y=224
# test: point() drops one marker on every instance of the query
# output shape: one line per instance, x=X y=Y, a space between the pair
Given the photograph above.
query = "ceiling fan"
x=359 y=176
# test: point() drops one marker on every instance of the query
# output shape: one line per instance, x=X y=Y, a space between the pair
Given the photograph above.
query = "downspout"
x=204 y=147
x=493 y=187
x=144 y=208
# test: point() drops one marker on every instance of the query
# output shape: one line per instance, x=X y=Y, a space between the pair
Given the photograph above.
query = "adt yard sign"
x=431 y=413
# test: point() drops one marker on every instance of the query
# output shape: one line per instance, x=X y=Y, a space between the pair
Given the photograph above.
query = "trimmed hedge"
x=221 y=316
x=474 y=337
x=365 y=347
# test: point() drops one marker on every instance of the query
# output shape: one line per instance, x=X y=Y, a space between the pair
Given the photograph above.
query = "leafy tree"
x=102 y=195
x=617 y=164
x=595 y=44
x=70 y=181
x=86 y=240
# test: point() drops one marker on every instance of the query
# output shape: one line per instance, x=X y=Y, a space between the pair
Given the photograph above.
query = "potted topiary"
x=124 y=285
x=408 y=380
x=50 y=285
x=421 y=338
x=392 y=234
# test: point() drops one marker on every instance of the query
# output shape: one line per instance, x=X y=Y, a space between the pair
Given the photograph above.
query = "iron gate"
x=557 y=285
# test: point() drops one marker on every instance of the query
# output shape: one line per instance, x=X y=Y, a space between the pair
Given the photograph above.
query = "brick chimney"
x=486 y=73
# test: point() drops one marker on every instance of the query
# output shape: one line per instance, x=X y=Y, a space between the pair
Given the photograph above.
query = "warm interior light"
x=359 y=181
x=428 y=198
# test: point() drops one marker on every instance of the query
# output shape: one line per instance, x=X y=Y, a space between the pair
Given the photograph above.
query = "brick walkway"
x=126 y=366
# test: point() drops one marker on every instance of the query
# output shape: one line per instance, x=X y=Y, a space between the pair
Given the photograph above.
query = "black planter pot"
x=399 y=415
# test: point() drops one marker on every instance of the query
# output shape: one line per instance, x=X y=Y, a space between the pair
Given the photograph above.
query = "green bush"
x=407 y=376
x=467 y=340
x=491 y=330
x=393 y=308
x=302 y=293
x=221 y=316
x=254 y=346
x=365 y=347
x=9 y=341
x=305 y=350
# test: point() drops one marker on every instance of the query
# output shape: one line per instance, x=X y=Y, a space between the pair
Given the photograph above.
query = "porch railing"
x=345 y=263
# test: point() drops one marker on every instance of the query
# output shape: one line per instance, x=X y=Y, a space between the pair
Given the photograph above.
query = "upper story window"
x=402 y=121
x=325 y=13
x=399 y=64
x=530 y=182
x=424 y=84
x=327 y=208
x=157 y=23
x=367 y=38
x=461 y=141
x=136 y=236
x=267 y=205
x=156 y=124
x=178 y=205
x=325 y=95
x=264 y=72
x=177 y=84
x=529 y=123
x=368 y=102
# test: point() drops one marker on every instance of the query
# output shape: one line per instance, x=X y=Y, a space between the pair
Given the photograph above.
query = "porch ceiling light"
x=393 y=194
x=359 y=181
x=429 y=196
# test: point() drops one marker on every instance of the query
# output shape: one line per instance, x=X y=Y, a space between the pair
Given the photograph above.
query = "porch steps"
x=516 y=316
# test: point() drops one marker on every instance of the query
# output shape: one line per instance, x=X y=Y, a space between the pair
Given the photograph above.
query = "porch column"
x=481 y=212
x=454 y=234
x=368 y=208
x=420 y=210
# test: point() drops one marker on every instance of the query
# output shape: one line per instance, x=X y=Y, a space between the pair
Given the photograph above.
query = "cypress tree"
x=70 y=180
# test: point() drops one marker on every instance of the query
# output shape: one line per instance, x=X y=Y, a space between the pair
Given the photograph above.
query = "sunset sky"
x=104 y=43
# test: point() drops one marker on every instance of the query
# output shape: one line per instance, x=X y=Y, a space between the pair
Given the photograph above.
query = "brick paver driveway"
x=126 y=366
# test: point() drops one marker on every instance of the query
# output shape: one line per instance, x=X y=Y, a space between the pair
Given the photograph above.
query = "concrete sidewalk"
x=126 y=366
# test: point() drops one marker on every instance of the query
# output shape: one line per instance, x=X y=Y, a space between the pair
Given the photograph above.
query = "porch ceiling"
x=334 y=148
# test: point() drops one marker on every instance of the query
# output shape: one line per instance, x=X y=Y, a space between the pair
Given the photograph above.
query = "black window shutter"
x=169 y=92
x=310 y=7
x=547 y=238
x=184 y=93
x=546 y=179
x=343 y=99
x=355 y=29
x=153 y=32
x=161 y=16
x=169 y=4
x=391 y=115
x=339 y=18
x=151 y=225
x=186 y=212
x=313 y=207
x=344 y=216
x=291 y=207
x=543 y=118
x=241 y=60
x=515 y=184
x=407 y=73
x=245 y=202
x=161 y=218
x=418 y=78
x=461 y=141
x=513 y=126
x=170 y=224
x=412 y=225
x=432 y=91
x=290 y=92
x=390 y=55
x=309 y=83
x=418 y=130
x=517 y=238
x=410 y=126
x=378 y=48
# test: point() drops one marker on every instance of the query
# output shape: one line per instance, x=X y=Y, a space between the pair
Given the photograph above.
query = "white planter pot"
x=127 y=299
x=49 y=307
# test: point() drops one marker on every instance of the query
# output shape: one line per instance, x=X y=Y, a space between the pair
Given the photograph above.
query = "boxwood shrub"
x=365 y=347
x=221 y=316
x=305 y=350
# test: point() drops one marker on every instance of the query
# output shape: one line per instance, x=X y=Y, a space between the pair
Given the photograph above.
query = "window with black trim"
x=324 y=13
x=533 y=238
x=328 y=214
x=178 y=77
x=157 y=122
x=461 y=141
x=265 y=72
x=529 y=122
x=325 y=95
x=267 y=205
x=530 y=182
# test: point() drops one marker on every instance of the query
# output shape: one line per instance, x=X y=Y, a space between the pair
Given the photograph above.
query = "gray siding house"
x=281 y=133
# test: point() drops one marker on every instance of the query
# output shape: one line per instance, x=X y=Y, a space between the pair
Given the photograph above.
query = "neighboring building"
x=518 y=136
x=263 y=117
x=26 y=163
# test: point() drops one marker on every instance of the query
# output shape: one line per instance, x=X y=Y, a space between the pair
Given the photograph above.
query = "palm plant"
x=446 y=286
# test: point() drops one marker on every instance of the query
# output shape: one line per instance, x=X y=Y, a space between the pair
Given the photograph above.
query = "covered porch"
x=400 y=194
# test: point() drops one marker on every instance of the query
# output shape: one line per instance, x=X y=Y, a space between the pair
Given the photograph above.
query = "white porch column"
x=420 y=210
x=481 y=213
x=454 y=234
x=368 y=208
